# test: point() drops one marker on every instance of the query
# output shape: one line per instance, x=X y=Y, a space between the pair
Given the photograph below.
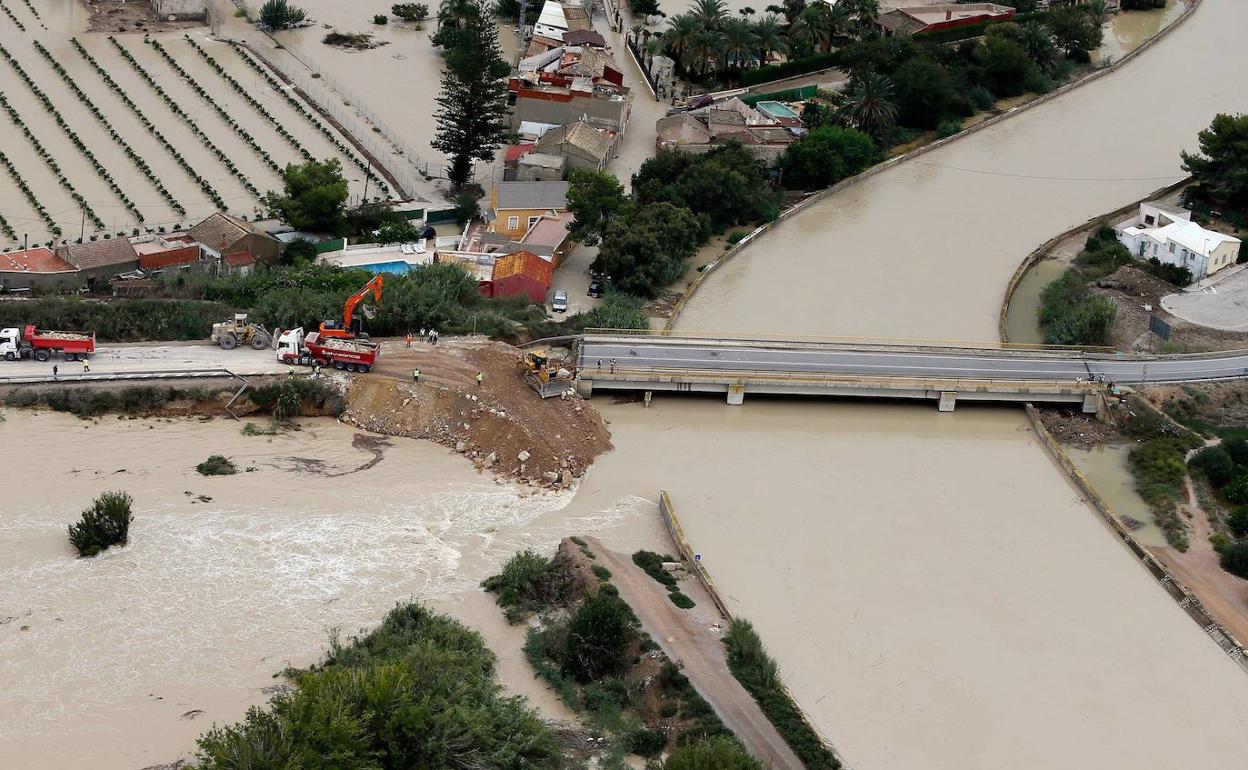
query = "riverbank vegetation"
x=418 y=691
x=105 y=523
x=1220 y=170
x=587 y=644
x=759 y=674
x=216 y=465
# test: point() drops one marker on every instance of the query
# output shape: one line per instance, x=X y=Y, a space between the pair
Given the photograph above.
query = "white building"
x=1169 y=236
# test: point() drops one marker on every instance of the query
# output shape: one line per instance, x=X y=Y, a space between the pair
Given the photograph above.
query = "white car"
x=560 y=303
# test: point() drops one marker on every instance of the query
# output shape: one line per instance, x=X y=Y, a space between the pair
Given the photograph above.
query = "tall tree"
x=1221 y=167
x=770 y=38
x=595 y=199
x=313 y=197
x=711 y=13
x=1037 y=40
x=473 y=101
x=678 y=37
x=869 y=105
x=740 y=43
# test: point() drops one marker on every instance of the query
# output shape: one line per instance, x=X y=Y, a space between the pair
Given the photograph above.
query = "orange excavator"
x=352 y=326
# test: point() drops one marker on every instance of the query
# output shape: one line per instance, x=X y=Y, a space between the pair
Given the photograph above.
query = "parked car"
x=595 y=288
x=560 y=303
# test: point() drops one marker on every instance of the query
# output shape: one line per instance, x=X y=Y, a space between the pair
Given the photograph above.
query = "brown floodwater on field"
x=1129 y=30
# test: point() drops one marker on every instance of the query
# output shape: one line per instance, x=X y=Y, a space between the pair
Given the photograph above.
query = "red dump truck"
x=353 y=355
x=42 y=345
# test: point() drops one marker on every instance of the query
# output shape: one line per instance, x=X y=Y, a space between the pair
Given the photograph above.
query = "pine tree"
x=473 y=101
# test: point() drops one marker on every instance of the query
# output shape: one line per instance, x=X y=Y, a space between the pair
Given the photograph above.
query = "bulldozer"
x=545 y=376
x=228 y=334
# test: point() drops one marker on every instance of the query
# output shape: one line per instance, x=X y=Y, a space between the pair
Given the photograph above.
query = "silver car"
x=560 y=303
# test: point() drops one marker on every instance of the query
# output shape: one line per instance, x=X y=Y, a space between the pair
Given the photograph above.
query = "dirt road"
x=688 y=637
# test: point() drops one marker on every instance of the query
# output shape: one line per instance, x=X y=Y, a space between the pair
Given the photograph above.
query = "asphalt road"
x=677 y=354
x=138 y=358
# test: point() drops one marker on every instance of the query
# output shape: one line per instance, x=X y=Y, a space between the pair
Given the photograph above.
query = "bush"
x=681 y=601
x=599 y=636
x=1237 y=448
x=1158 y=467
x=1174 y=274
x=789 y=69
x=1215 y=463
x=652 y=563
x=982 y=98
x=105 y=523
x=528 y=582
x=380 y=19
x=601 y=572
x=760 y=676
x=719 y=753
x=645 y=742
x=1071 y=315
x=735 y=236
x=948 y=128
x=1237 y=489
x=1235 y=558
x=419 y=690
x=279 y=14
x=1219 y=541
x=286 y=398
x=825 y=156
x=1237 y=522
x=216 y=465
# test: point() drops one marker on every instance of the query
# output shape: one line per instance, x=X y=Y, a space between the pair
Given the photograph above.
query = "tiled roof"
x=219 y=232
x=583 y=37
x=116 y=251
x=580 y=135
x=524 y=263
x=238 y=259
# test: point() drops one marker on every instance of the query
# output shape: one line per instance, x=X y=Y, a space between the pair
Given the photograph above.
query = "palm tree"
x=793 y=9
x=869 y=105
x=739 y=42
x=710 y=13
x=770 y=37
x=454 y=13
x=679 y=35
x=706 y=48
x=825 y=25
x=1098 y=10
x=863 y=14
x=1037 y=41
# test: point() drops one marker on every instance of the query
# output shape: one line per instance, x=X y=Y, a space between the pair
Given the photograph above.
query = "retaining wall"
x=821 y=194
x=1186 y=599
x=677 y=533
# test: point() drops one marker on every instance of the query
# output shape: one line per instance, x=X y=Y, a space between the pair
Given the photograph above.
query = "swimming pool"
x=776 y=109
x=397 y=267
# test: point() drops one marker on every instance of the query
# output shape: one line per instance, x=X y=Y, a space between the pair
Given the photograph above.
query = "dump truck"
x=228 y=334
x=352 y=355
x=41 y=345
x=546 y=377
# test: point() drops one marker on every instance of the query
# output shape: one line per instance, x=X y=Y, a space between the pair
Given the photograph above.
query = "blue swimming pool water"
x=398 y=267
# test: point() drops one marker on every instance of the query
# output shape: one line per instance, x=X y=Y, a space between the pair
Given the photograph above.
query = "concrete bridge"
x=943 y=372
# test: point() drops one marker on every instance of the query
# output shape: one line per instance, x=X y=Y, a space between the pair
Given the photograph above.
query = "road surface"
x=709 y=355
x=137 y=358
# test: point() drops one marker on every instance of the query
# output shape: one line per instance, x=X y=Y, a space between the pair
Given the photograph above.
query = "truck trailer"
x=41 y=345
x=353 y=355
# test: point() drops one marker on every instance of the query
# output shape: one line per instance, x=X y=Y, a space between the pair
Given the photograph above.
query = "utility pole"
x=82 y=232
x=367 y=176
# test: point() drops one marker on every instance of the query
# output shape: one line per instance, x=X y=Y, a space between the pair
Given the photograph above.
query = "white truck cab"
x=290 y=345
x=11 y=343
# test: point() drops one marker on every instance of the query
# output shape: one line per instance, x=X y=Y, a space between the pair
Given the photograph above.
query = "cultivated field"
x=108 y=135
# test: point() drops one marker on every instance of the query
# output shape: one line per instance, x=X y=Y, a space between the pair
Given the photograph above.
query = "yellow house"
x=518 y=206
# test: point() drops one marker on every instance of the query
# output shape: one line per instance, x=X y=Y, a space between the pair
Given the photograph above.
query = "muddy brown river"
x=936 y=594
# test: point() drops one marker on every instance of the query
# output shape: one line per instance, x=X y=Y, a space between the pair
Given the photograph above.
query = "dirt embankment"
x=1132 y=290
x=501 y=424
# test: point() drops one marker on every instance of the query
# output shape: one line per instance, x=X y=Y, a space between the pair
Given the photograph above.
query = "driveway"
x=1221 y=306
x=572 y=276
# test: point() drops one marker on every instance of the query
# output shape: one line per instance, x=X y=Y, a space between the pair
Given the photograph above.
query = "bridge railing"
x=875 y=342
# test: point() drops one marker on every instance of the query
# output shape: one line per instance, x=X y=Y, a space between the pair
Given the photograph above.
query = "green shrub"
x=681 y=601
x=1237 y=522
x=981 y=98
x=600 y=633
x=602 y=572
x=1215 y=463
x=1235 y=558
x=719 y=753
x=760 y=676
x=645 y=742
x=735 y=236
x=1071 y=315
x=1219 y=541
x=652 y=563
x=105 y=523
x=1237 y=448
x=418 y=691
x=1237 y=490
x=528 y=582
x=947 y=128
x=1158 y=467
x=216 y=465
x=286 y=397
x=380 y=19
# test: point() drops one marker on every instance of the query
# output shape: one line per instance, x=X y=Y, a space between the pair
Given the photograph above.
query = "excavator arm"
x=348 y=329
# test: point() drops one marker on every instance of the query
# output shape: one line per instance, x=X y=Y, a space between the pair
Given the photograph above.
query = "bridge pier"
x=736 y=395
x=584 y=387
x=1091 y=403
x=948 y=400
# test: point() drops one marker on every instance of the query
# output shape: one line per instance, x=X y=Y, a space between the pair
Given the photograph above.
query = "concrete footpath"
x=691 y=638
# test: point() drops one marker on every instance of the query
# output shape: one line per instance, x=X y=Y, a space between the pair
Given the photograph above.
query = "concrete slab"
x=1224 y=305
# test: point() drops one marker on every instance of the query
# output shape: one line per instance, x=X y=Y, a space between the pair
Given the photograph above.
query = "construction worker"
x=409 y=339
x=86 y=367
x=480 y=378
x=415 y=375
x=290 y=369
x=422 y=332
x=55 y=371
